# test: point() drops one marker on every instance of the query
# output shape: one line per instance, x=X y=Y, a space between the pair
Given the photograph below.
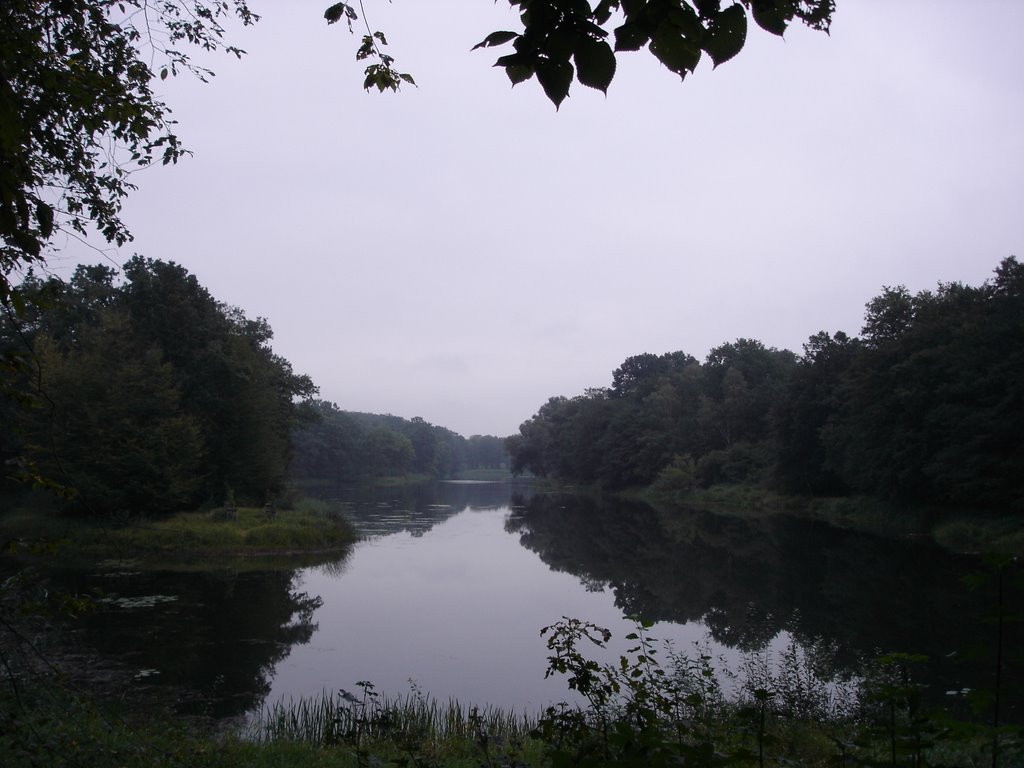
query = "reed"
x=341 y=717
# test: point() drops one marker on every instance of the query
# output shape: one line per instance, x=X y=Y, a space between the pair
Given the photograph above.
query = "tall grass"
x=333 y=719
x=313 y=526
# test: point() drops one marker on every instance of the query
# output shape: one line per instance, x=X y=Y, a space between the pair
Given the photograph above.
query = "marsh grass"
x=249 y=531
x=331 y=719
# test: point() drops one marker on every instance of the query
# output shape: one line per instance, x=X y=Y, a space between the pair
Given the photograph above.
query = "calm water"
x=452 y=584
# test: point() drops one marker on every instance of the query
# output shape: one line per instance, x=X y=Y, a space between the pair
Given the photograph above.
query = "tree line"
x=339 y=446
x=925 y=405
x=147 y=394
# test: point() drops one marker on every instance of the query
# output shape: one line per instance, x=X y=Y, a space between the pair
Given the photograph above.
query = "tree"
x=565 y=39
x=78 y=113
x=162 y=340
x=241 y=393
x=388 y=451
x=811 y=401
x=112 y=426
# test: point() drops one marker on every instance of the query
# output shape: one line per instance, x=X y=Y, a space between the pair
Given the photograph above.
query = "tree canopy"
x=562 y=40
x=78 y=111
x=925 y=406
x=149 y=394
x=78 y=114
x=339 y=446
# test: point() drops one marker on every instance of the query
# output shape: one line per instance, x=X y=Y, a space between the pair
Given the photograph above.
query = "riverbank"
x=656 y=723
x=311 y=527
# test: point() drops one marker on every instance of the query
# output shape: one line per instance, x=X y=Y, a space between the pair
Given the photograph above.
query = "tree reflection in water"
x=213 y=637
x=750 y=578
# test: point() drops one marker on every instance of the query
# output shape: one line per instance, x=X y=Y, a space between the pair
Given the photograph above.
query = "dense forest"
x=926 y=405
x=146 y=394
x=339 y=445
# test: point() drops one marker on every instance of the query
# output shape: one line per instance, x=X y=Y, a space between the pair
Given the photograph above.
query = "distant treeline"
x=344 y=445
x=144 y=394
x=926 y=405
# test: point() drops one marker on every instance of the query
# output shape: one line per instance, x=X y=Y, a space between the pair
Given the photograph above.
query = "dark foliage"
x=148 y=395
x=335 y=445
x=926 y=406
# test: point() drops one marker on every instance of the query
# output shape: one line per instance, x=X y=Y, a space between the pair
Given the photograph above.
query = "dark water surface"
x=452 y=584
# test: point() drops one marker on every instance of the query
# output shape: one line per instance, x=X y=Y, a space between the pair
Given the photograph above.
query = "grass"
x=311 y=527
x=328 y=719
x=800 y=720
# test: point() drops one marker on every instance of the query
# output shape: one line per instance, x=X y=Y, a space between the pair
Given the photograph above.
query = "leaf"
x=630 y=37
x=604 y=9
x=726 y=34
x=44 y=215
x=163 y=73
x=495 y=38
x=555 y=78
x=518 y=73
x=688 y=22
x=708 y=8
x=595 y=63
x=335 y=12
x=517 y=66
x=769 y=16
x=675 y=51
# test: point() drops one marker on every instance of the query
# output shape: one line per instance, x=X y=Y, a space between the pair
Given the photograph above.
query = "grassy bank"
x=311 y=527
x=679 y=719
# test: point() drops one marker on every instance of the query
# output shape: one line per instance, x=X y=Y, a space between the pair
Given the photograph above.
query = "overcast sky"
x=461 y=251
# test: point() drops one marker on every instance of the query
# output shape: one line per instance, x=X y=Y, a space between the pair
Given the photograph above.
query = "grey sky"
x=462 y=251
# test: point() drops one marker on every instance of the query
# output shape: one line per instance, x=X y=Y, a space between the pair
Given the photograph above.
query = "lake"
x=451 y=584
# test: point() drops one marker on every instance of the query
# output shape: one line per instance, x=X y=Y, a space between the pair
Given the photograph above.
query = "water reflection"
x=748 y=579
x=212 y=638
x=452 y=584
x=415 y=508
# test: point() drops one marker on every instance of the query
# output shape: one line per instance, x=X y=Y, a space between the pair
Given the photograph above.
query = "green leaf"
x=336 y=11
x=726 y=34
x=44 y=215
x=495 y=38
x=17 y=301
x=163 y=73
x=518 y=73
x=604 y=9
x=675 y=51
x=708 y=8
x=631 y=37
x=555 y=78
x=688 y=22
x=518 y=67
x=769 y=16
x=595 y=63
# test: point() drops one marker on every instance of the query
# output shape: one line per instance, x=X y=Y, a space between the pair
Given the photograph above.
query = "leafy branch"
x=381 y=74
x=79 y=114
